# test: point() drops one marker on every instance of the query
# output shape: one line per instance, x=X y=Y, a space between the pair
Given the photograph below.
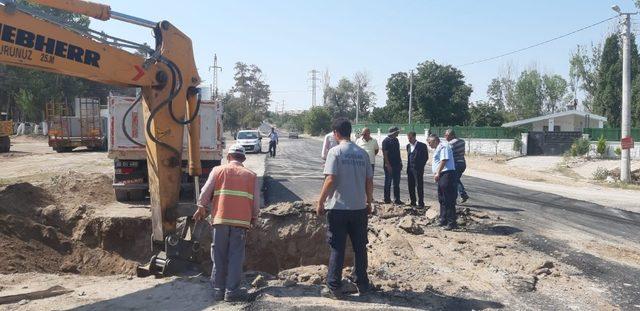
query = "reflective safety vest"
x=233 y=195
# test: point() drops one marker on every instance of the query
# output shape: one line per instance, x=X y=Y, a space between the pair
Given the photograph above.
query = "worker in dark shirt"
x=392 y=165
x=417 y=156
x=458 y=147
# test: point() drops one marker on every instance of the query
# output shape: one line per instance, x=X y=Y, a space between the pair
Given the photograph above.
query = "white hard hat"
x=237 y=149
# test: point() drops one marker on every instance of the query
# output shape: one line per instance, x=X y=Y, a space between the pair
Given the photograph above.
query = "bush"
x=600 y=173
x=580 y=147
x=517 y=144
x=601 y=147
x=317 y=121
x=618 y=151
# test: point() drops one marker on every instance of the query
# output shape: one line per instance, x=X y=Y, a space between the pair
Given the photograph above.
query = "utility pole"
x=215 y=67
x=625 y=159
x=283 y=106
x=410 y=94
x=314 y=86
x=357 y=102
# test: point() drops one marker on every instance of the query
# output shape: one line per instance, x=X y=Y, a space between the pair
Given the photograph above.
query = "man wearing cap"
x=232 y=192
x=392 y=165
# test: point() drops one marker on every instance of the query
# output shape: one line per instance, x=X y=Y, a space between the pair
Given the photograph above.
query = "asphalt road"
x=296 y=174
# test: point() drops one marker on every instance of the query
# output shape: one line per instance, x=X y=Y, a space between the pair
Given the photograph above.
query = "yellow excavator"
x=168 y=79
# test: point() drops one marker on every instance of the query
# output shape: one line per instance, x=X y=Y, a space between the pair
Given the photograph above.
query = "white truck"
x=130 y=179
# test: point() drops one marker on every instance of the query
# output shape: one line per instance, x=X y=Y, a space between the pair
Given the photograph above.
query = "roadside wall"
x=474 y=145
x=611 y=147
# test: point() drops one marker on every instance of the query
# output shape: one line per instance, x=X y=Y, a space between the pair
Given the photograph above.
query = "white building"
x=566 y=121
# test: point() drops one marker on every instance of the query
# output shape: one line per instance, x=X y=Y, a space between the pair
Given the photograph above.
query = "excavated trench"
x=57 y=227
x=53 y=227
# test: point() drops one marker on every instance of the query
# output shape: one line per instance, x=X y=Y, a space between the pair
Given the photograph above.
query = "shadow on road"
x=394 y=299
x=492 y=208
x=276 y=191
x=496 y=230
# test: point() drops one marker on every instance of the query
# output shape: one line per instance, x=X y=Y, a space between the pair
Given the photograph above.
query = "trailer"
x=130 y=179
x=79 y=124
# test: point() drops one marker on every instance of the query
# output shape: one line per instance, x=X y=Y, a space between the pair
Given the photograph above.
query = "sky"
x=287 y=39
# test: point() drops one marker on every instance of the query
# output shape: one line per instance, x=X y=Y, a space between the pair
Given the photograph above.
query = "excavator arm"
x=168 y=78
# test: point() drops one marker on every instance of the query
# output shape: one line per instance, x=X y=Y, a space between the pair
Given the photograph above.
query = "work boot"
x=464 y=198
x=451 y=226
x=218 y=295
x=398 y=202
x=236 y=296
x=327 y=292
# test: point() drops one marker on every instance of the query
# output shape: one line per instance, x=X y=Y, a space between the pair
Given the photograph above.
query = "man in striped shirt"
x=458 y=147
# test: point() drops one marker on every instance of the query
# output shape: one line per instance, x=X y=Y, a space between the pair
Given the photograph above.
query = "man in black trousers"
x=392 y=166
x=417 y=156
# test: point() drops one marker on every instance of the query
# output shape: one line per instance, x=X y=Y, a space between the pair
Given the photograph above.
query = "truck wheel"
x=63 y=149
x=5 y=143
x=137 y=195
x=123 y=195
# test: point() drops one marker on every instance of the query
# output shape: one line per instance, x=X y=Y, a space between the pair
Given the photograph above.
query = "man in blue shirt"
x=444 y=173
x=273 y=142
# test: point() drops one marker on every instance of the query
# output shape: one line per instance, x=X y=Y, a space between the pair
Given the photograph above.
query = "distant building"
x=566 y=121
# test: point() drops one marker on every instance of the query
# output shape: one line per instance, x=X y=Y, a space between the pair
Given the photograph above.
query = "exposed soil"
x=51 y=227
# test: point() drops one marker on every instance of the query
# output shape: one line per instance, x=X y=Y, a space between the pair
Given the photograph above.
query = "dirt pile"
x=51 y=227
x=415 y=263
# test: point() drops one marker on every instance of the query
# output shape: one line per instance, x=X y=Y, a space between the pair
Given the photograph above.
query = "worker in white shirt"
x=328 y=143
x=369 y=144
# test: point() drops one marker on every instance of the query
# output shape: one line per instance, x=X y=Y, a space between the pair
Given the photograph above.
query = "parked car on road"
x=293 y=134
x=251 y=140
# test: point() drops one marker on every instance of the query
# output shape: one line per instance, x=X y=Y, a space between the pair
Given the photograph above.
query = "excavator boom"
x=168 y=79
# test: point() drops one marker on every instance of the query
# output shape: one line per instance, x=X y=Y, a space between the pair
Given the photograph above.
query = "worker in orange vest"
x=233 y=193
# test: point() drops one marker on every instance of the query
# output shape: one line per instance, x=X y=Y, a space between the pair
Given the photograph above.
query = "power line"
x=537 y=44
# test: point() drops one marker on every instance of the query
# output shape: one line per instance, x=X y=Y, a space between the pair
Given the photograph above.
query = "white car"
x=251 y=140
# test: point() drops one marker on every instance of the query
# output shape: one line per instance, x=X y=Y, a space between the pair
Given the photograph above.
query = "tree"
x=247 y=103
x=441 y=95
x=485 y=114
x=340 y=99
x=317 y=121
x=363 y=96
x=608 y=97
x=554 y=89
x=529 y=95
x=501 y=90
x=583 y=72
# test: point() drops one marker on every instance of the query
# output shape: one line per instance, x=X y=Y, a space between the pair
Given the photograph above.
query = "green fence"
x=461 y=131
x=480 y=132
x=612 y=134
